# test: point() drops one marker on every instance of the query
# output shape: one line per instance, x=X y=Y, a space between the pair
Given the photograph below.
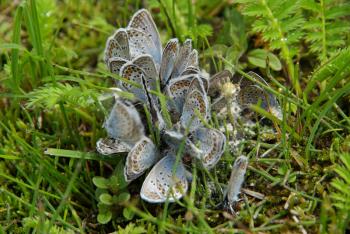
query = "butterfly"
x=124 y=123
x=176 y=90
x=195 y=107
x=236 y=180
x=126 y=134
x=205 y=144
x=174 y=138
x=162 y=184
x=148 y=39
x=211 y=143
x=241 y=91
x=139 y=37
x=251 y=93
x=141 y=157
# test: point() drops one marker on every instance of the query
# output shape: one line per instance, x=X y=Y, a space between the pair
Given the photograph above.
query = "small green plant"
x=326 y=31
x=341 y=184
x=278 y=23
x=112 y=195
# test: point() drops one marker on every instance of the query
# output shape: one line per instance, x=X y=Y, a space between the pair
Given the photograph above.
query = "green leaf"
x=7 y=46
x=9 y=157
x=104 y=218
x=76 y=154
x=106 y=198
x=258 y=58
x=100 y=182
x=282 y=170
x=117 y=180
x=123 y=197
x=128 y=213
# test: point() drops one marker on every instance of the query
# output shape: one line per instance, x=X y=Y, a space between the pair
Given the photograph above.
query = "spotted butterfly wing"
x=211 y=142
x=162 y=184
x=251 y=93
x=115 y=64
x=270 y=103
x=146 y=63
x=124 y=123
x=196 y=103
x=135 y=77
x=192 y=60
x=176 y=90
x=169 y=56
x=140 y=44
x=142 y=21
x=190 y=70
x=236 y=179
x=108 y=146
x=182 y=58
x=141 y=157
x=117 y=46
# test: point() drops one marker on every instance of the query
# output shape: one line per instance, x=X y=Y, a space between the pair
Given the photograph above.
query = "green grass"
x=52 y=77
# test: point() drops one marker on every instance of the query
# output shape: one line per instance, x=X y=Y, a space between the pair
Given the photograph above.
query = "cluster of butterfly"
x=135 y=54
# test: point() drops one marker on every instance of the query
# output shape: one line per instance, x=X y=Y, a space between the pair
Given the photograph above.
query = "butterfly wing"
x=196 y=101
x=272 y=104
x=146 y=63
x=142 y=21
x=192 y=60
x=140 y=43
x=251 y=93
x=124 y=123
x=236 y=179
x=108 y=146
x=212 y=143
x=115 y=64
x=169 y=56
x=141 y=157
x=190 y=70
x=176 y=90
x=161 y=184
x=174 y=138
x=182 y=58
x=117 y=46
x=136 y=76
